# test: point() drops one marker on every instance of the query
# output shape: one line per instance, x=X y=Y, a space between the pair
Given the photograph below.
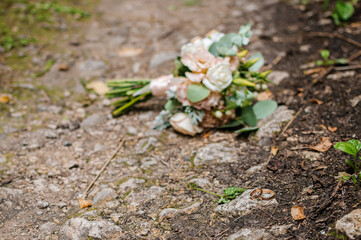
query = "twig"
x=289 y=123
x=333 y=35
x=274 y=62
x=221 y=233
x=348 y=67
x=85 y=193
x=354 y=56
x=328 y=200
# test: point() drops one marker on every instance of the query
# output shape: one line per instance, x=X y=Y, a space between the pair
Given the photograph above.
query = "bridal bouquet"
x=213 y=85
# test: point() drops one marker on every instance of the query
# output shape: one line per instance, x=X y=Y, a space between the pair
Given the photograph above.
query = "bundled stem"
x=129 y=92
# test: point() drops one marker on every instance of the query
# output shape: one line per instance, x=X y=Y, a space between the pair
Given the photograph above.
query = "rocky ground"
x=56 y=136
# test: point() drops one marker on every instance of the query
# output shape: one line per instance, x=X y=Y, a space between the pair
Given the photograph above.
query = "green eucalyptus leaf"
x=346 y=147
x=246 y=129
x=197 y=92
x=246 y=33
x=257 y=66
x=213 y=49
x=263 y=109
x=344 y=10
x=248 y=116
x=325 y=54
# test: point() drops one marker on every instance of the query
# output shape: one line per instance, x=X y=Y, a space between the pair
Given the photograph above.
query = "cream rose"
x=218 y=77
x=197 y=44
x=183 y=124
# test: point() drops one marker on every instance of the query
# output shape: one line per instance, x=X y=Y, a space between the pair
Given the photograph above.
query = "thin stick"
x=333 y=35
x=348 y=67
x=85 y=193
x=290 y=122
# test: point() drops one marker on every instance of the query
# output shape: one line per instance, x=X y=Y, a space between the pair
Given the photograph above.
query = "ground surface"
x=55 y=136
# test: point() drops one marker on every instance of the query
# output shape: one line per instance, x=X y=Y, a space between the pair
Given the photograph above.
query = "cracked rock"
x=216 y=153
x=244 y=205
x=79 y=228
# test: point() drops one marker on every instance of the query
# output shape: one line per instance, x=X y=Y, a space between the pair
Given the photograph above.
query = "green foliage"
x=231 y=193
x=25 y=15
x=327 y=62
x=197 y=92
x=129 y=92
x=343 y=10
x=229 y=44
x=259 y=61
x=351 y=147
x=179 y=68
x=263 y=109
x=228 y=194
x=194 y=114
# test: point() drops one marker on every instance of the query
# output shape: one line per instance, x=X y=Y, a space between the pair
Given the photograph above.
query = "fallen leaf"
x=4 y=98
x=274 y=151
x=323 y=146
x=332 y=129
x=322 y=126
x=130 y=52
x=263 y=96
x=312 y=71
x=297 y=213
x=207 y=134
x=315 y=100
x=98 y=86
x=84 y=203
x=63 y=67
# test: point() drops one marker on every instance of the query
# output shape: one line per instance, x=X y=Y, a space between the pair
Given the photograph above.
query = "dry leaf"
x=4 y=98
x=297 y=213
x=323 y=146
x=63 y=67
x=263 y=96
x=322 y=126
x=274 y=151
x=315 y=100
x=332 y=129
x=130 y=52
x=98 y=86
x=312 y=71
x=207 y=134
x=84 y=203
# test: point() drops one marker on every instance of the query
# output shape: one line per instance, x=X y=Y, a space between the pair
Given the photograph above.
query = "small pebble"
x=67 y=144
x=42 y=204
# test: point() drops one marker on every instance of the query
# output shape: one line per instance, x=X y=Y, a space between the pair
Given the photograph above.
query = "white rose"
x=215 y=36
x=183 y=124
x=196 y=45
x=218 y=77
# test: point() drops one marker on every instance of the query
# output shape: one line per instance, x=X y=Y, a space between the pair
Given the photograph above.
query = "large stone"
x=79 y=229
x=251 y=234
x=273 y=123
x=244 y=205
x=215 y=153
x=277 y=76
x=105 y=194
x=136 y=199
x=260 y=234
x=350 y=224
